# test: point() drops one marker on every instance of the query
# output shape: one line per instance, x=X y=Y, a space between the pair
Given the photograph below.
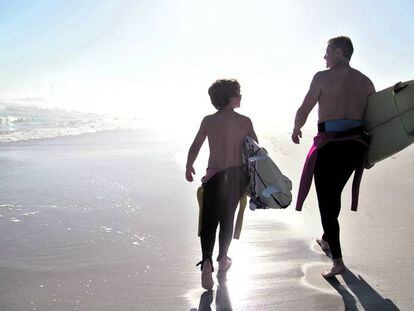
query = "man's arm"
x=371 y=87
x=309 y=102
x=370 y=91
x=194 y=150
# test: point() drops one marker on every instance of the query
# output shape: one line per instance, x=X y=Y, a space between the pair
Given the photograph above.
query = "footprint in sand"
x=317 y=249
x=312 y=277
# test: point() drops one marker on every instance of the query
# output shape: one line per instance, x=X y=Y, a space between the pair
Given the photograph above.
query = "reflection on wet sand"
x=222 y=301
x=272 y=272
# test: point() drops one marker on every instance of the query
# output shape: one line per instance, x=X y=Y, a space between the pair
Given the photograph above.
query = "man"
x=342 y=96
x=225 y=181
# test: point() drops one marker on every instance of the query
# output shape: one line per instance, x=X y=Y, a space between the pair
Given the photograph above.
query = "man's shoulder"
x=362 y=76
x=326 y=74
x=357 y=72
x=319 y=77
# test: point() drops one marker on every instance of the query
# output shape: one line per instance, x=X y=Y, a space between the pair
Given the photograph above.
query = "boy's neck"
x=228 y=108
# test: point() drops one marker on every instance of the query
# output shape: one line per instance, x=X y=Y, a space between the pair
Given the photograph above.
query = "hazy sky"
x=160 y=56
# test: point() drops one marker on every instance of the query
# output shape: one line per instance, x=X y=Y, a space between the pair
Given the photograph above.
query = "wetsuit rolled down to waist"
x=330 y=132
x=342 y=125
x=339 y=149
x=221 y=195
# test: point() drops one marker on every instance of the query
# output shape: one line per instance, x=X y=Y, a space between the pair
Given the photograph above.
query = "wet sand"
x=107 y=221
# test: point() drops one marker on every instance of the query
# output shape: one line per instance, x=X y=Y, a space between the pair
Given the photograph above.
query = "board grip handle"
x=398 y=87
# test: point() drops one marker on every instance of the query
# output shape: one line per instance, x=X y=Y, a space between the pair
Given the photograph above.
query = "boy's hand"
x=296 y=135
x=189 y=173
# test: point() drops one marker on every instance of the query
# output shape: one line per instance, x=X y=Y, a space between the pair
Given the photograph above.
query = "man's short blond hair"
x=343 y=43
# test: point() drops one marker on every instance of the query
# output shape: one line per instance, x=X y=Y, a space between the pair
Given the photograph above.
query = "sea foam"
x=19 y=123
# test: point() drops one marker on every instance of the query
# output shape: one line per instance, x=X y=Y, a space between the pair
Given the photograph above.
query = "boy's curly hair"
x=221 y=91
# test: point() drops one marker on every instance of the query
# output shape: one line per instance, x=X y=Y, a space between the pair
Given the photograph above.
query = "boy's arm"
x=195 y=149
x=309 y=102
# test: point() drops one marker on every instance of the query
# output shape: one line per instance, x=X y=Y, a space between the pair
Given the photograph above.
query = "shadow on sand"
x=369 y=299
x=355 y=287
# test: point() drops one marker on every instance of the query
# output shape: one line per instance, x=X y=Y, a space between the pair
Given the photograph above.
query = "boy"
x=225 y=180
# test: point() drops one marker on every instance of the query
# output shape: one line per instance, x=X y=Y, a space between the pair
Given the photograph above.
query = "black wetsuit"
x=222 y=193
x=335 y=163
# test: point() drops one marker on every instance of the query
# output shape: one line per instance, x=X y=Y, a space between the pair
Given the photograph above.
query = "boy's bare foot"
x=206 y=275
x=224 y=264
x=323 y=244
x=337 y=268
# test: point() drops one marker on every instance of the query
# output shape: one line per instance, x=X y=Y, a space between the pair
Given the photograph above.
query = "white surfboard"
x=389 y=120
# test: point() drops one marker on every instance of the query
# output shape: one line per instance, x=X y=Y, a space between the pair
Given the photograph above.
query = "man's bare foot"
x=323 y=244
x=337 y=268
x=206 y=275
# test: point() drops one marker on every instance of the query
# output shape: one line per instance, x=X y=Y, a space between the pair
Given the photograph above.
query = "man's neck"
x=341 y=64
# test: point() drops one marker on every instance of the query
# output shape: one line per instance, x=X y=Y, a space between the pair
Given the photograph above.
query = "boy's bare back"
x=226 y=130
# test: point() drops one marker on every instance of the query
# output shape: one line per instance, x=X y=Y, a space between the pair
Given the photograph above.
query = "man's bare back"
x=343 y=93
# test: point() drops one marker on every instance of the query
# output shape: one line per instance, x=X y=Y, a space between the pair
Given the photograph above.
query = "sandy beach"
x=100 y=101
x=106 y=221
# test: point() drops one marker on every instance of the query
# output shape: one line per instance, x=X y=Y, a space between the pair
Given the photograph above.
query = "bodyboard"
x=268 y=187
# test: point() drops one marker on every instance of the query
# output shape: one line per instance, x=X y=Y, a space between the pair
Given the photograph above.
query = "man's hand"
x=189 y=173
x=296 y=135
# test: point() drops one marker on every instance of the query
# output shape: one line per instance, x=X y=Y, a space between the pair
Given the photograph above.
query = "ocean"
x=23 y=122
